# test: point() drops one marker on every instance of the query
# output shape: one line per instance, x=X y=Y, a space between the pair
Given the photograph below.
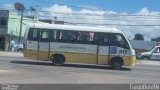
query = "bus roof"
x=73 y=27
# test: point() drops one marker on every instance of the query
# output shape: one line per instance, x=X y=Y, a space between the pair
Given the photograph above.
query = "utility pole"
x=55 y=18
x=20 y=7
x=21 y=21
x=32 y=8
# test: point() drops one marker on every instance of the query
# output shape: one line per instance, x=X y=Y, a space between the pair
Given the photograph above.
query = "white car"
x=153 y=54
x=18 y=48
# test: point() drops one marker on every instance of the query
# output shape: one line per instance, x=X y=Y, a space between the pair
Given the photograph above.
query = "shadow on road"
x=69 y=65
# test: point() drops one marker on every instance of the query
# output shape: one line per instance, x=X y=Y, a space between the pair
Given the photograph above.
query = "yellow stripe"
x=79 y=57
x=32 y=54
x=103 y=59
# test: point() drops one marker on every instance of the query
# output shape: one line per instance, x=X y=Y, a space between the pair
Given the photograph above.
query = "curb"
x=146 y=62
x=11 y=54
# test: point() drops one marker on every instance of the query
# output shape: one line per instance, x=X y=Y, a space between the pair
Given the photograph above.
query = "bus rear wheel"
x=57 y=60
x=116 y=64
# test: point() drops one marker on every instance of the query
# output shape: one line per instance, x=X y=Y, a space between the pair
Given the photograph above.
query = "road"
x=27 y=71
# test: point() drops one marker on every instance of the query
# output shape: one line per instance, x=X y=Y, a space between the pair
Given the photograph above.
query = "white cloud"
x=92 y=12
x=58 y=8
x=145 y=11
x=90 y=7
x=146 y=17
x=8 y=6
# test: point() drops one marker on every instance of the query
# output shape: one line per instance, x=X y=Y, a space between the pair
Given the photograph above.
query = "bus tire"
x=116 y=63
x=58 y=60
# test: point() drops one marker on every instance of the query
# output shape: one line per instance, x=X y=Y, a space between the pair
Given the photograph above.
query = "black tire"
x=57 y=60
x=20 y=50
x=146 y=58
x=116 y=64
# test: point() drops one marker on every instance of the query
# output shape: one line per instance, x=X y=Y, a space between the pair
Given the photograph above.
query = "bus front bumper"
x=129 y=60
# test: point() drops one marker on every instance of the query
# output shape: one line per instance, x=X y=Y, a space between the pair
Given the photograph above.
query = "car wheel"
x=20 y=50
x=146 y=58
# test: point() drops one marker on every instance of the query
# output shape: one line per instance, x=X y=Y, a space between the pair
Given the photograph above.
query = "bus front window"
x=119 y=41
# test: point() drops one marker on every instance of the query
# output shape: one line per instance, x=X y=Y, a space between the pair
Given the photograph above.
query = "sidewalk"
x=148 y=62
x=11 y=54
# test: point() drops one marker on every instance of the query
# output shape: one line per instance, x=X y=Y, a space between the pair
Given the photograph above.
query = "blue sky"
x=129 y=6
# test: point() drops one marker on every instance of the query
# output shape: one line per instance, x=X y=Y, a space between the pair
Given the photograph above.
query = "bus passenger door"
x=43 y=44
x=103 y=48
x=31 y=50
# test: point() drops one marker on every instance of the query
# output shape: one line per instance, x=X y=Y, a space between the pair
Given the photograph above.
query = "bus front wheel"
x=57 y=60
x=116 y=64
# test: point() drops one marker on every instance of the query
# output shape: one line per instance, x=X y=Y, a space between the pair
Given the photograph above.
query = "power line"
x=101 y=24
x=107 y=19
x=155 y=19
x=116 y=24
x=97 y=23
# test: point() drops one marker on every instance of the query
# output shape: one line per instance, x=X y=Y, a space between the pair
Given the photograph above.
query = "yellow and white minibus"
x=78 y=44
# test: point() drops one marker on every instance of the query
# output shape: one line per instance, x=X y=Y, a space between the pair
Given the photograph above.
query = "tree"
x=138 y=36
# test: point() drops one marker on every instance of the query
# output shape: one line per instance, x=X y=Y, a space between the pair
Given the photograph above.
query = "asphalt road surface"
x=26 y=71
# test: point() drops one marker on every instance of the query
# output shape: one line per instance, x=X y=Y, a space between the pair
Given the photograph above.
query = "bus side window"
x=104 y=39
x=66 y=36
x=44 y=35
x=33 y=34
x=86 y=37
x=53 y=35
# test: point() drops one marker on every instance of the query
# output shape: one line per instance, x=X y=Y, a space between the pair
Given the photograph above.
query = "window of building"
x=3 y=23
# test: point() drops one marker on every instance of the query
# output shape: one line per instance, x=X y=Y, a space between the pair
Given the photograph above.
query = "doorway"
x=2 y=43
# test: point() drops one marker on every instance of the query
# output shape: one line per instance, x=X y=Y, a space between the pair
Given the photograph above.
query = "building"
x=156 y=39
x=141 y=46
x=10 y=27
x=4 y=15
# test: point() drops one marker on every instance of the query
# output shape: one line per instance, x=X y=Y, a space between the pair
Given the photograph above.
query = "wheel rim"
x=145 y=58
x=117 y=65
